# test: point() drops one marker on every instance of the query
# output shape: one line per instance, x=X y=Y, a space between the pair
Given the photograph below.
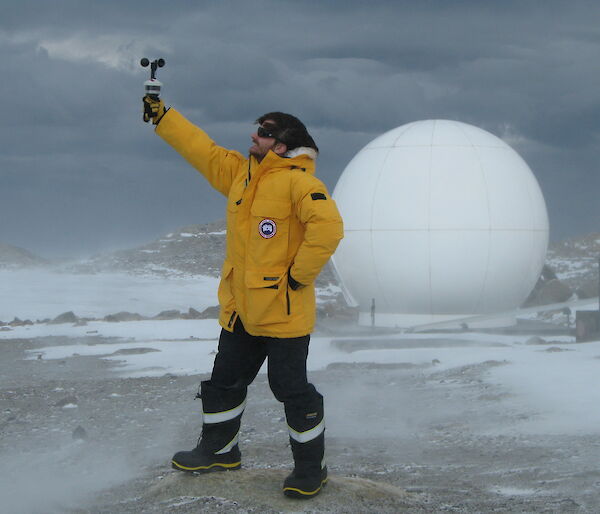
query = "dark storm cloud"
x=80 y=171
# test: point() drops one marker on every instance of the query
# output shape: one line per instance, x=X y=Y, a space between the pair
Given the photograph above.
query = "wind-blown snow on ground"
x=40 y=293
x=559 y=383
x=559 y=386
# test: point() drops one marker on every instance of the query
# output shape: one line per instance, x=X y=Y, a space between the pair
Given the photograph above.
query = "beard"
x=259 y=153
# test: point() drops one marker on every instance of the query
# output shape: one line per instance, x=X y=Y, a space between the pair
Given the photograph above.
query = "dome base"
x=446 y=321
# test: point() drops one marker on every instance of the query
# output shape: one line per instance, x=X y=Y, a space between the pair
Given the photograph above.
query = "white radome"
x=442 y=220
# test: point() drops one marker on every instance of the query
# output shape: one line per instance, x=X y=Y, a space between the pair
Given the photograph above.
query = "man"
x=282 y=227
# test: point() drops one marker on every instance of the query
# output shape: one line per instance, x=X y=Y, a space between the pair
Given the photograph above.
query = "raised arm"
x=219 y=165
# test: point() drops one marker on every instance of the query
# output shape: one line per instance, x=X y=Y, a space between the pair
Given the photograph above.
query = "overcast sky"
x=80 y=172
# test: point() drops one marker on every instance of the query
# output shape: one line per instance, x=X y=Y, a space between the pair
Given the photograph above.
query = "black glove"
x=293 y=283
x=154 y=109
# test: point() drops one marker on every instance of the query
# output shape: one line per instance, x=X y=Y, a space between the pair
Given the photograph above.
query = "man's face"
x=262 y=145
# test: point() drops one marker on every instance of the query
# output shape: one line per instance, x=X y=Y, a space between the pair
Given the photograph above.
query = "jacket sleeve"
x=216 y=163
x=323 y=229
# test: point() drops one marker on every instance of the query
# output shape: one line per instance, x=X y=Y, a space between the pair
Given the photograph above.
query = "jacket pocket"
x=266 y=297
x=269 y=233
x=271 y=207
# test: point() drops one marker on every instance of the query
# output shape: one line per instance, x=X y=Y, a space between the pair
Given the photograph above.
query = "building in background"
x=443 y=220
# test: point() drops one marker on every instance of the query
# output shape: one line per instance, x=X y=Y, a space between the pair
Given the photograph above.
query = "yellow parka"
x=280 y=218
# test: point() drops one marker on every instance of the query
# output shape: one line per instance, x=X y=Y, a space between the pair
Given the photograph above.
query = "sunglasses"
x=263 y=132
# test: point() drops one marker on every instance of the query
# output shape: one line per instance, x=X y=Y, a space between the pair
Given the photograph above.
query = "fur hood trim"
x=302 y=150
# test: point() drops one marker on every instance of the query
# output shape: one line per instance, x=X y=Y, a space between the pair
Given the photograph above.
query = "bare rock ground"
x=76 y=437
x=262 y=489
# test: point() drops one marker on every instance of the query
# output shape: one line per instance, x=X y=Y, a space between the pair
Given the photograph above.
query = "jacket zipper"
x=231 y=319
x=249 y=175
x=287 y=297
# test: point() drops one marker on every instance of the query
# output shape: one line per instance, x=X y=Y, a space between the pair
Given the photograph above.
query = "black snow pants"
x=238 y=361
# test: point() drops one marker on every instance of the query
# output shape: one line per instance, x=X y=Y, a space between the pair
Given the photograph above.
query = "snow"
x=557 y=382
x=562 y=387
x=514 y=491
x=40 y=294
x=128 y=330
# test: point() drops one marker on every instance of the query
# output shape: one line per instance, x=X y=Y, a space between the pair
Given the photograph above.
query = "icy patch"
x=185 y=500
x=178 y=357
x=137 y=331
x=513 y=491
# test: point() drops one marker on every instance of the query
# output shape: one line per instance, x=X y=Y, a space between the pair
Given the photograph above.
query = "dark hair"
x=288 y=129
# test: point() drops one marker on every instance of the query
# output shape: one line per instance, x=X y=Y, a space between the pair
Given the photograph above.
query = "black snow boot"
x=309 y=475
x=201 y=460
x=217 y=448
x=307 y=438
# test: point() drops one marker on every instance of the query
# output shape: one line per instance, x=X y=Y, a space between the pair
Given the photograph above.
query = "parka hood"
x=311 y=153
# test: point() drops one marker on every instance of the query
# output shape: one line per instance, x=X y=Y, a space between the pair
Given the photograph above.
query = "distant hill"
x=575 y=262
x=200 y=249
x=14 y=257
x=191 y=250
